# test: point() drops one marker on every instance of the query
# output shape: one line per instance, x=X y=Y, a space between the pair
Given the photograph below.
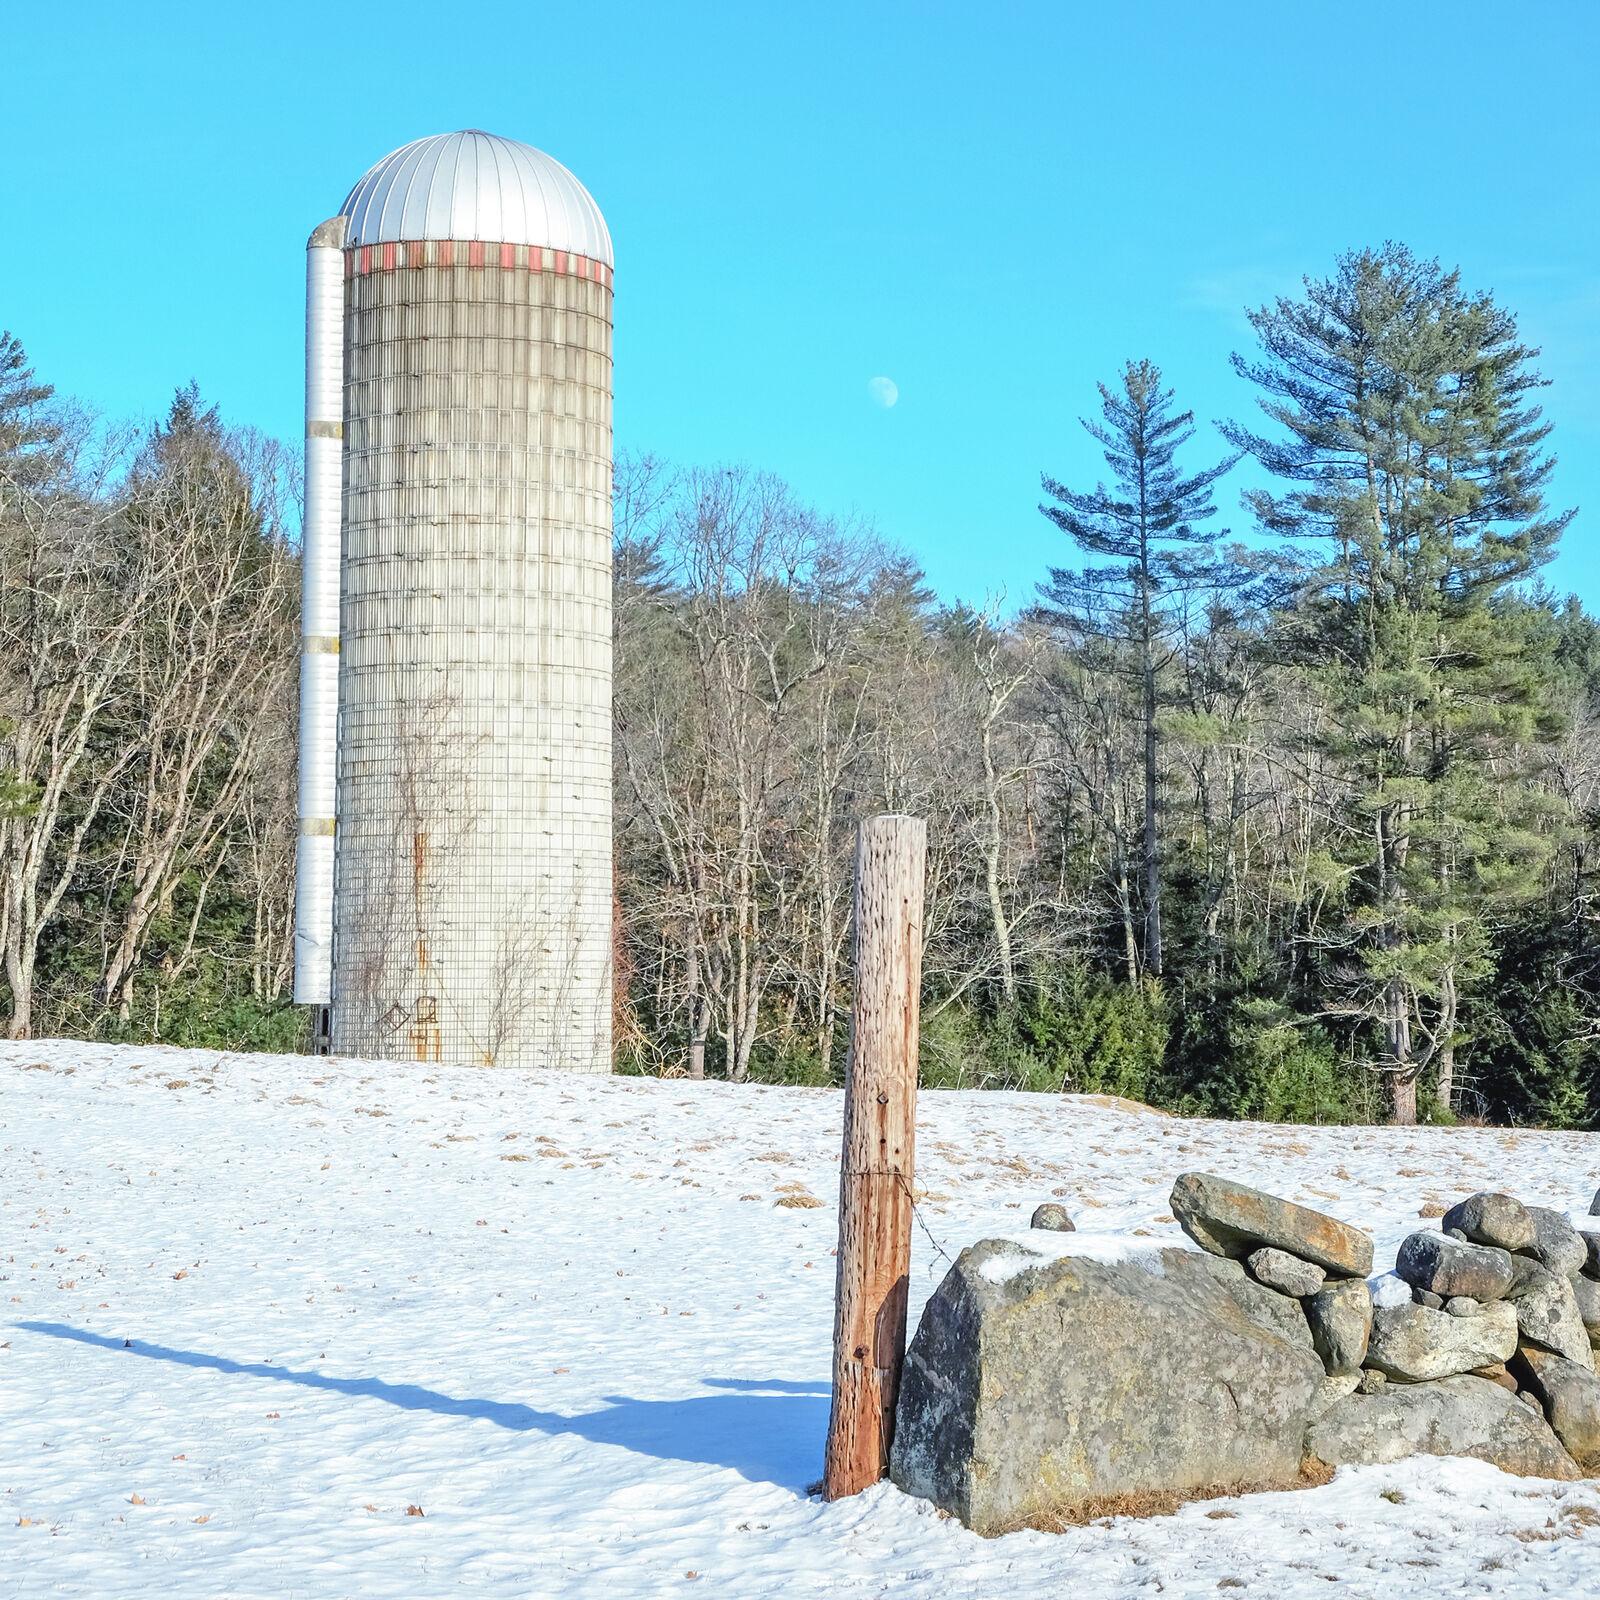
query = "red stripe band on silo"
x=389 y=254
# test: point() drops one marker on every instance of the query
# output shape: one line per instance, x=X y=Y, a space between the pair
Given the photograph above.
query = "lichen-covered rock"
x=1416 y=1344
x=1548 y=1315
x=1458 y=1416
x=1570 y=1395
x=1586 y=1293
x=1277 y=1313
x=1556 y=1243
x=1052 y=1218
x=1286 y=1273
x=1499 y=1374
x=1340 y=1318
x=1445 y=1267
x=1460 y=1305
x=1591 y=1246
x=1494 y=1219
x=1229 y=1219
x=1334 y=1388
x=1036 y=1383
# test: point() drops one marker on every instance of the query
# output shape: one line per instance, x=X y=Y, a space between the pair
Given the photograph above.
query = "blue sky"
x=994 y=206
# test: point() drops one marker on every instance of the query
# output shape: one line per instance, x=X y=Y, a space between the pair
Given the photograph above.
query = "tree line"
x=1293 y=828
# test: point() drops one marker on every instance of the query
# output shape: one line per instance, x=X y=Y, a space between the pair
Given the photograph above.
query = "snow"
x=1035 y=1247
x=1389 y=1290
x=252 y=1309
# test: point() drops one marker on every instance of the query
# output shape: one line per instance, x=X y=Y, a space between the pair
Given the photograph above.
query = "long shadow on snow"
x=767 y=1431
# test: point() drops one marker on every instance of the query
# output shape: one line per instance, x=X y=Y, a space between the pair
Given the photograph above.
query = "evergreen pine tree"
x=1148 y=523
x=1408 y=428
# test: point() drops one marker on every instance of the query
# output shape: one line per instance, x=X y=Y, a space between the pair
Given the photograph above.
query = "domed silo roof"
x=476 y=185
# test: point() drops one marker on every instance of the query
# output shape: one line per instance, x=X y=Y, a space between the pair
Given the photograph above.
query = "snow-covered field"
x=275 y=1326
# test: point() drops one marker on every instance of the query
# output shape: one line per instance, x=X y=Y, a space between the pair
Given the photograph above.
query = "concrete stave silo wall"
x=473 y=897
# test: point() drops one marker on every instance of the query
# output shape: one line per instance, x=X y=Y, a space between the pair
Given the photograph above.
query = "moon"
x=884 y=392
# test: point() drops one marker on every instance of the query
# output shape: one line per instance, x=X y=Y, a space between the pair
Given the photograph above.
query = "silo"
x=471 y=895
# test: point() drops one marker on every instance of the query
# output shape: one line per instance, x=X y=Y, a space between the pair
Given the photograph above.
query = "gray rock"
x=1460 y=1305
x=1570 y=1396
x=1586 y=1292
x=1456 y=1233
x=1286 y=1273
x=1594 y=1205
x=1442 y=1266
x=1458 y=1416
x=1556 y=1243
x=1229 y=1219
x=1371 y=1381
x=1035 y=1384
x=1548 y=1315
x=1525 y=1273
x=1333 y=1389
x=1340 y=1318
x=1426 y=1297
x=1274 y=1312
x=1415 y=1344
x=1052 y=1218
x=1591 y=1245
x=1494 y=1219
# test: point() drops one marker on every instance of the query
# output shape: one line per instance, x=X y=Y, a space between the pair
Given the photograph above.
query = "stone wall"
x=1057 y=1373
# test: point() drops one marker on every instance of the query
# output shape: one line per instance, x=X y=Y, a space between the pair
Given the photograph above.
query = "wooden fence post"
x=876 y=1174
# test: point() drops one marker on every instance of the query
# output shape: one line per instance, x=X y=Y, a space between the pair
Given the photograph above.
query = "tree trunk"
x=991 y=862
x=1152 y=853
x=19 y=979
x=699 y=1014
x=1403 y=1094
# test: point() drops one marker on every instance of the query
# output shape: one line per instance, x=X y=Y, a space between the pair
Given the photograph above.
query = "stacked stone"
x=1043 y=1380
x=1488 y=1355
x=1309 y=1258
x=1509 y=1293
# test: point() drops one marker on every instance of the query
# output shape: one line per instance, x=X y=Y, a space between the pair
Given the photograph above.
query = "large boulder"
x=1458 y=1416
x=1494 y=1219
x=1340 y=1318
x=1035 y=1384
x=1228 y=1219
x=1416 y=1344
x=1556 y=1243
x=1570 y=1395
x=1548 y=1314
x=1443 y=1266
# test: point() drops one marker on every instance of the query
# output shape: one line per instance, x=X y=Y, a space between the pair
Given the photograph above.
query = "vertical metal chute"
x=319 y=627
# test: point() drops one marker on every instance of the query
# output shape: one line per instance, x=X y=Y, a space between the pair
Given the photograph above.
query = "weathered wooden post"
x=875 y=1178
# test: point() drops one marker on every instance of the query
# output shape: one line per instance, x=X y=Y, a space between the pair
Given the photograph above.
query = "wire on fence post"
x=877 y=1171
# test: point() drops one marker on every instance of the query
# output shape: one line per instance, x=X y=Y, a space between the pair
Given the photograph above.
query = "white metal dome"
x=476 y=185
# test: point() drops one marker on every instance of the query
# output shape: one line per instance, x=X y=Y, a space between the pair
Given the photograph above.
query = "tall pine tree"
x=1148 y=523
x=1405 y=420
